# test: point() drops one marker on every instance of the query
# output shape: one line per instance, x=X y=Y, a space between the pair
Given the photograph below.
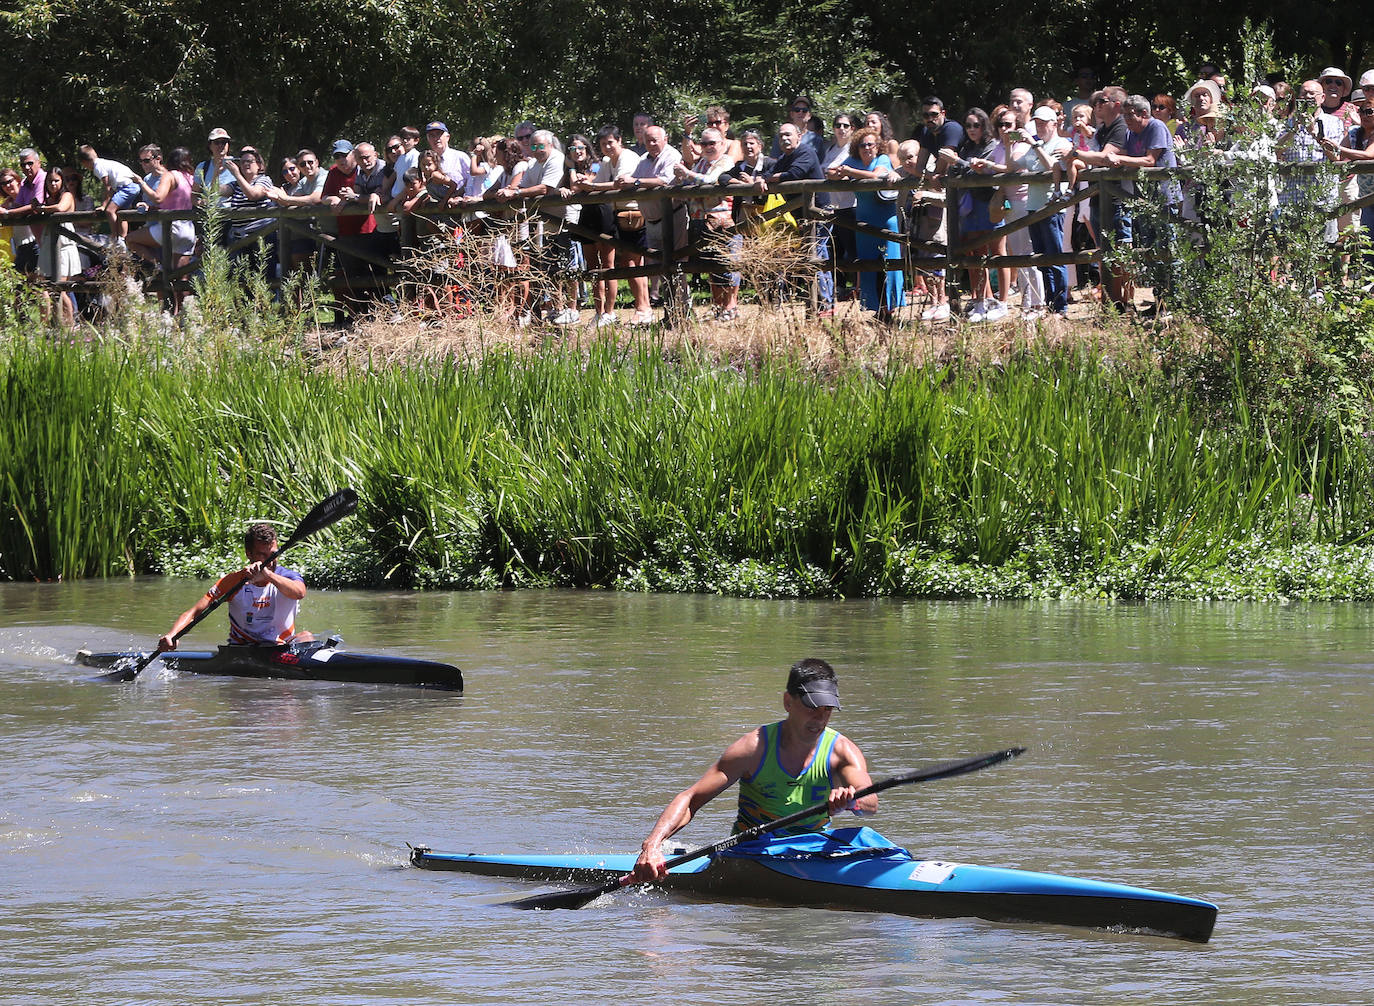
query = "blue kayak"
x=857 y=868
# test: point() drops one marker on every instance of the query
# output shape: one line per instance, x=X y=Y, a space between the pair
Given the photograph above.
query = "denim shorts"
x=125 y=196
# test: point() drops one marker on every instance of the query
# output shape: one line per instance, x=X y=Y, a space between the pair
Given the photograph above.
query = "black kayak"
x=321 y=660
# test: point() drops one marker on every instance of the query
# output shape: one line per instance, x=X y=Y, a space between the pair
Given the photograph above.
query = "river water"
x=200 y=840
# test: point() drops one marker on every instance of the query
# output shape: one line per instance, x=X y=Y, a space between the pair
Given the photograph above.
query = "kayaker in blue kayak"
x=781 y=768
x=263 y=611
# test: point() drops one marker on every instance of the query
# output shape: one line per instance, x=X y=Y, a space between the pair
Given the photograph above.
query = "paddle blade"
x=130 y=670
x=573 y=899
x=326 y=512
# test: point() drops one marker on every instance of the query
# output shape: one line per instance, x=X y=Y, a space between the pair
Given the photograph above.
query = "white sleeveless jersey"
x=258 y=614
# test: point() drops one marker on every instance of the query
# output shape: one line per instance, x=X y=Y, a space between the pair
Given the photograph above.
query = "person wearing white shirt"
x=1046 y=236
x=122 y=190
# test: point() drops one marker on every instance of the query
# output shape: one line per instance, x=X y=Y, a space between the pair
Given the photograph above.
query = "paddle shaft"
x=325 y=513
x=581 y=896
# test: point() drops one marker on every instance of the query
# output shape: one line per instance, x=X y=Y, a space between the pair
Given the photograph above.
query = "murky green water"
x=189 y=840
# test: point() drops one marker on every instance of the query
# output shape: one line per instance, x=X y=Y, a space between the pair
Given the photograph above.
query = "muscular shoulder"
x=846 y=752
x=740 y=757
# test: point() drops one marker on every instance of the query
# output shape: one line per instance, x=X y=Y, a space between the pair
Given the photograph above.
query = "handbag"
x=629 y=220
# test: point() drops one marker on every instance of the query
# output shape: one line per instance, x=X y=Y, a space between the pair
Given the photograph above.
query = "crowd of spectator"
x=369 y=190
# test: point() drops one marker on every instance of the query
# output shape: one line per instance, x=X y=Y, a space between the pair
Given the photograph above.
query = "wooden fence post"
x=953 y=237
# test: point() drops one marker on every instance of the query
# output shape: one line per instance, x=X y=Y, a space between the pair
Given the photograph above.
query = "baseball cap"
x=218 y=134
x=343 y=147
x=1045 y=114
x=436 y=124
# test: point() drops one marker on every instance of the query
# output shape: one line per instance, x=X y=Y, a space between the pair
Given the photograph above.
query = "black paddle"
x=326 y=512
x=580 y=896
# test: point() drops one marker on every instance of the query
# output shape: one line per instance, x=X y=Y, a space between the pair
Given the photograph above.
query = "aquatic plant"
x=609 y=465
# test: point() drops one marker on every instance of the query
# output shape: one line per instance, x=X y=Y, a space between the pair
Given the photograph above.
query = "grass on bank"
x=608 y=464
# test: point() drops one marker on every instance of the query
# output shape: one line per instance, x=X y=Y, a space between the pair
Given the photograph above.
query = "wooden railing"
x=290 y=223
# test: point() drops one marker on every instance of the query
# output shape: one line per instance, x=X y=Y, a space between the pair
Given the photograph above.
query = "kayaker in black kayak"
x=781 y=768
x=263 y=611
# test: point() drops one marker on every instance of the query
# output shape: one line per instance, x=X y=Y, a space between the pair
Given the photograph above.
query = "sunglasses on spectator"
x=933 y=114
x=801 y=108
x=339 y=154
x=868 y=143
x=307 y=163
x=1006 y=124
x=523 y=137
x=844 y=125
x=710 y=143
x=145 y=160
x=393 y=146
x=538 y=146
x=715 y=122
x=1160 y=108
x=1102 y=101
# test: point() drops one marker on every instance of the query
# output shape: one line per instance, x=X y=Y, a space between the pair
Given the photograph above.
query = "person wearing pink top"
x=164 y=187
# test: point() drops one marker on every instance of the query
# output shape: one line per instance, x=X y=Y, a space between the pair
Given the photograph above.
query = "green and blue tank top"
x=769 y=792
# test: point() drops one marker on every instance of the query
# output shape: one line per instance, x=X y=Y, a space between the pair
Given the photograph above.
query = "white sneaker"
x=936 y=312
x=977 y=311
x=1032 y=313
x=996 y=311
x=567 y=316
x=605 y=320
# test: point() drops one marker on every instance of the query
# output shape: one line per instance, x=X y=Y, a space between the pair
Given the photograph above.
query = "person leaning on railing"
x=884 y=291
x=616 y=163
x=251 y=189
x=58 y=256
x=165 y=187
x=711 y=227
x=975 y=219
x=306 y=190
x=1358 y=145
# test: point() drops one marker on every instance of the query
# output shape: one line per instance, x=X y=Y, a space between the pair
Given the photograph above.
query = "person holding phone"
x=1308 y=136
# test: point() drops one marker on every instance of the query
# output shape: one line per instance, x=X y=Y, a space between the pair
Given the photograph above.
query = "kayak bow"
x=858 y=869
x=314 y=661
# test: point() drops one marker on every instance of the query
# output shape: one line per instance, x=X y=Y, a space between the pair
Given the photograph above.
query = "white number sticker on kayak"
x=933 y=871
x=322 y=655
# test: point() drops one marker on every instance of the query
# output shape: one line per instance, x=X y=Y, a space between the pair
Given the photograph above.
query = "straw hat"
x=1210 y=86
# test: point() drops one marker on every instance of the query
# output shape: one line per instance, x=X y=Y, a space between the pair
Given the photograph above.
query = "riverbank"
x=841 y=463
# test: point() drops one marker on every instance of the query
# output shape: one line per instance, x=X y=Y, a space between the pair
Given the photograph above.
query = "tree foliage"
x=118 y=74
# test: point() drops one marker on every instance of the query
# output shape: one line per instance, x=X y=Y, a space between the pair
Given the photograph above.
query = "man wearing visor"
x=781 y=768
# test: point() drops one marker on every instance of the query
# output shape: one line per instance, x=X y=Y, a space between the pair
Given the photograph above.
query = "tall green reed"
x=611 y=466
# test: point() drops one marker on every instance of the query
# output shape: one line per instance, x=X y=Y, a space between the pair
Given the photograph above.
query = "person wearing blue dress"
x=882 y=292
